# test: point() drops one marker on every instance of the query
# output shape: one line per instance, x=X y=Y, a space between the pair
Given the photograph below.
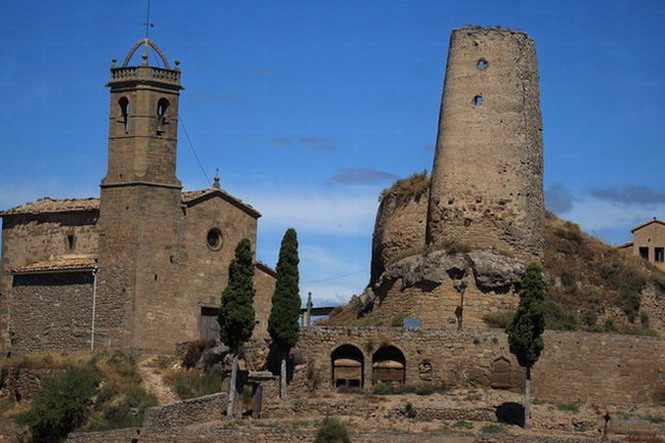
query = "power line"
x=334 y=278
x=182 y=124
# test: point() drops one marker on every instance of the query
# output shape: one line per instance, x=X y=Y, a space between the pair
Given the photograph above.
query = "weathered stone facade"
x=399 y=230
x=574 y=367
x=143 y=266
x=487 y=179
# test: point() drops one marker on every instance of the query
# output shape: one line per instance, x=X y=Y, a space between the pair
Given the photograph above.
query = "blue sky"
x=310 y=108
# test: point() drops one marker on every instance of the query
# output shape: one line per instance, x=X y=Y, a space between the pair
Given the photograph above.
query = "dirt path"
x=151 y=372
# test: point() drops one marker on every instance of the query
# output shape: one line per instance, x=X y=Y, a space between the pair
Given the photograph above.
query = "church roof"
x=190 y=198
x=60 y=264
x=48 y=205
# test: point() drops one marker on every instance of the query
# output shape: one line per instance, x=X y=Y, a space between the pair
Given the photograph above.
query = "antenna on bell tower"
x=147 y=23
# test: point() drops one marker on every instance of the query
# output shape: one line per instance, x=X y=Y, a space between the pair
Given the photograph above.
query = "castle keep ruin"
x=453 y=250
x=487 y=179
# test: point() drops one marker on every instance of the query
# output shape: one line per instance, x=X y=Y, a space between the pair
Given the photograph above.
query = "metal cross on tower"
x=147 y=23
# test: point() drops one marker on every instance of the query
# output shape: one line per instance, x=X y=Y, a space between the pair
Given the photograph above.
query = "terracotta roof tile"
x=48 y=205
x=63 y=263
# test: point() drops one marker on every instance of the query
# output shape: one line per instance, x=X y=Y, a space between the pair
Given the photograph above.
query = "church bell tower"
x=141 y=219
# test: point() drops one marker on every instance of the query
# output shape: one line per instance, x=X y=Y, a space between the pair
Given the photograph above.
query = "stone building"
x=649 y=242
x=142 y=266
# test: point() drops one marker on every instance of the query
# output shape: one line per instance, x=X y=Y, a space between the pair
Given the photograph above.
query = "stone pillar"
x=487 y=179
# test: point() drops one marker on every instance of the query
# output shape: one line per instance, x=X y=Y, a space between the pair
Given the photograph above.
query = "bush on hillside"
x=332 y=431
x=61 y=405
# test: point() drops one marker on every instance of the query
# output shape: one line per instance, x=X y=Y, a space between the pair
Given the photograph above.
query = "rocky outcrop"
x=491 y=271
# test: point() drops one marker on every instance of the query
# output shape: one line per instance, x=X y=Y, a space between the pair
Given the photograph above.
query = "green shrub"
x=500 y=319
x=404 y=389
x=409 y=410
x=398 y=320
x=332 y=431
x=194 y=352
x=425 y=390
x=382 y=388
x=568 y=407
x=559 y=317
x=61 y=405
x=493 y=428
x=193 y=384
x=628 y=280
x=462 y=424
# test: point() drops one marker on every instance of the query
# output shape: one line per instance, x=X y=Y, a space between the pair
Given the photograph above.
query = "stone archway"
x=348 y=365
x=389 y=365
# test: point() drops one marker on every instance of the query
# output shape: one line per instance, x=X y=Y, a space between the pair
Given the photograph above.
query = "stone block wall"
x=52 y=312
x=574 y=366
x=487 y=179
x=187 y=412
x=399 y=230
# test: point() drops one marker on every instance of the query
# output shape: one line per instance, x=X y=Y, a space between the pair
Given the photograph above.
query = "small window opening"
x=162 y=105
x=214 y=239
x=478 y=100
x=71 y=242
x=124 y=111
x=659 y=255
x=644 y=252
x=482 y=64
x=156 y=277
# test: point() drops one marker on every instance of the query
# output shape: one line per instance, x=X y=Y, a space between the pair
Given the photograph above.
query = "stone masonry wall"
x=399 y=230
x=574 y=366
x=52 y=312
x=27 y=239
x=187 y=412
x=487 y=179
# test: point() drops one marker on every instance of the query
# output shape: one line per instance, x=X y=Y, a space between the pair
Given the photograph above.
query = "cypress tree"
x=236 y=314
x=283 y=322
x=524 y=332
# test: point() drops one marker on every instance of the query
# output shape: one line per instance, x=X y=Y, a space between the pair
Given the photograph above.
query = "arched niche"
x=388 y=365
x=502 y=374
x=348 y=364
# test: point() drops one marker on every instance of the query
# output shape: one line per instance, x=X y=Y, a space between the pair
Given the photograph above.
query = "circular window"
x=482 y=64
x=478 y=100
x=214 y=239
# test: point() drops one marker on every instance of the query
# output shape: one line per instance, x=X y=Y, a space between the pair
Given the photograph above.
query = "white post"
x=94 y=307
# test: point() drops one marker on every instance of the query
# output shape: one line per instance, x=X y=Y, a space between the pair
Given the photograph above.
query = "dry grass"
x=410 y=188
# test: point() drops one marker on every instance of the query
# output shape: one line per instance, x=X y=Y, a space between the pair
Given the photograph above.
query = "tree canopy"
x=236 y=314
x=524 y=332
x=283 y=321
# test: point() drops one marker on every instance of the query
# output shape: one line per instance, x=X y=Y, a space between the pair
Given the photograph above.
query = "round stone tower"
x=487 y=179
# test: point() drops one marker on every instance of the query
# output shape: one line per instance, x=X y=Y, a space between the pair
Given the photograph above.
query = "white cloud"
x=595 y=215
x=336 y=214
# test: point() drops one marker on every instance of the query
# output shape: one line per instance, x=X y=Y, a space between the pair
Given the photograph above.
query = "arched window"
x=388 y=365
x=162 y=106
x=348 y=365
x=124 y=112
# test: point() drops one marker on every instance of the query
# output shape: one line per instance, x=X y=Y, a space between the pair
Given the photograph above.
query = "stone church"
x=141 y=267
